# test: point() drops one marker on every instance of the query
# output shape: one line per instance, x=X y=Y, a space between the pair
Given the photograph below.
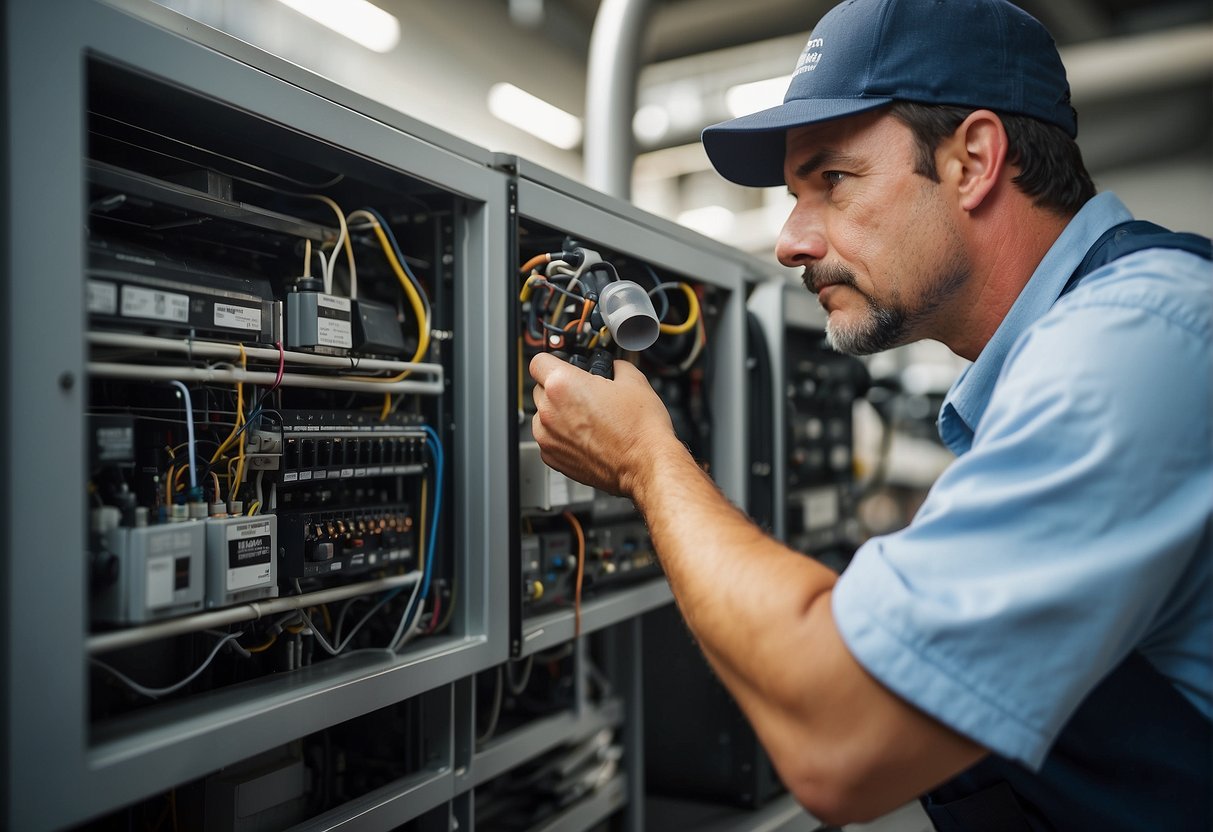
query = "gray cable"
x=156 y=693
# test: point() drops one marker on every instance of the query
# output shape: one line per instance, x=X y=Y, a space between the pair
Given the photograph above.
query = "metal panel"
x=544 y=631
x=523 y=744
x=172 y=21
x=627 y=229
x=387 y=807
x=592 y=810
x=778 y=305
x=47 y=733
x=783 y=814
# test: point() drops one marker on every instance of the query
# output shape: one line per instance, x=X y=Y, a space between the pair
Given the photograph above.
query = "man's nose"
x=802 y=239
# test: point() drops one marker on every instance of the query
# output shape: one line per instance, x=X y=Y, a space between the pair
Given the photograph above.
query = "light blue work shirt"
x=1075 y=525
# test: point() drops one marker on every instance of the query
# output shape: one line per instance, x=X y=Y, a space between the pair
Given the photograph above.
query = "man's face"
x=877 y=241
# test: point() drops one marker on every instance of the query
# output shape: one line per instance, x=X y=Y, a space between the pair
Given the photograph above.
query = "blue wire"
x=658 y=289
x=387 y=229
x=435 y=446
x=189 y=424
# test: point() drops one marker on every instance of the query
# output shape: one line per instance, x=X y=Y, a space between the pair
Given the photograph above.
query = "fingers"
x=627 y=371
x=543 y=365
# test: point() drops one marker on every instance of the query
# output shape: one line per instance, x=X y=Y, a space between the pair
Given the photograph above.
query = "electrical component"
x=318 y=321
x=317 y=543
x=545 y=489
x=376 y=330
x=241 y=559
x=160 y=573
x=137 y=288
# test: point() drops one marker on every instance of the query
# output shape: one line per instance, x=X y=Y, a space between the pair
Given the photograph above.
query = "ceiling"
x=1141 y=72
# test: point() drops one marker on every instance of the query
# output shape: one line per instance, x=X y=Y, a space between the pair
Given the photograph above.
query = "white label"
x=150 y=303
x=237 y=317
x=334 y=333
x=333 y=302
x=102 y=298
x=159 y=582
x=820 y=508
x=250 y=554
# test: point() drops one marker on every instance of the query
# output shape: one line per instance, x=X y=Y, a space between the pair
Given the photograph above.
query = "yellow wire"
x=253 y=508
x=528 y=286
x=387 y=406
x=423 y=323
x=261 y=648
x=168 y=485
x=692 y=314
x=226 y=443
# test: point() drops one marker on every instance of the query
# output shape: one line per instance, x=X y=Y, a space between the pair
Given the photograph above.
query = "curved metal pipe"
x=610 y=97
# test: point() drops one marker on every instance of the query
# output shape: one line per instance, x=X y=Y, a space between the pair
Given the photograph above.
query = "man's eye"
x=833 y=177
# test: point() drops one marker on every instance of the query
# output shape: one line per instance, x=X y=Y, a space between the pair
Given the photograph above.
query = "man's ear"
x=972 y=160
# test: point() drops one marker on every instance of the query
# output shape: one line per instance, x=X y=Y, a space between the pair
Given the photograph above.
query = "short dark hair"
x=1051 y=170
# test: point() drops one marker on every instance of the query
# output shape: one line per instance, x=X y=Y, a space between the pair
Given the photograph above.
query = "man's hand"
x=603 y=433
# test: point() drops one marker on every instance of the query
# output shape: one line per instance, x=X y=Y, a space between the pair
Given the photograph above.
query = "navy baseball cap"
x=867 y=53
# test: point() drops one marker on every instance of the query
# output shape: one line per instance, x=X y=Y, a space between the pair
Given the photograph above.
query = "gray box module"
x=316 y=320
x=241 y=559
x=160 y=573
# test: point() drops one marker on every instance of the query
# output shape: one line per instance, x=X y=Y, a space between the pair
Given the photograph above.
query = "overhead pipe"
x=610 y=97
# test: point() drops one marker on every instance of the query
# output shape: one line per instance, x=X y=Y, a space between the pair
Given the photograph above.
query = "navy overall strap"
x=1133 y=236
x=1136 y=756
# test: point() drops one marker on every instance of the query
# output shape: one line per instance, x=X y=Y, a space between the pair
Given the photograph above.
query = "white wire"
x=189 y=424
x=395 y=643
x=104 y=369
x=218 y=349
x=251 y=611
x=155 y=693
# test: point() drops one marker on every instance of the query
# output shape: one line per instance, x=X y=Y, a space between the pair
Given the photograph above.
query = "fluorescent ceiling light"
x=360 y=21
x=651 y=123
x=710 y=220
x=744 y=99
x=534 y=115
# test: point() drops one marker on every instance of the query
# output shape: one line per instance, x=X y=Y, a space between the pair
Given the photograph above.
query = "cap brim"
x=749 y=150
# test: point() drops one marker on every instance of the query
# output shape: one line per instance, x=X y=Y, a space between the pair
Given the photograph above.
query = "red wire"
x=434 y=614
x=281 y=365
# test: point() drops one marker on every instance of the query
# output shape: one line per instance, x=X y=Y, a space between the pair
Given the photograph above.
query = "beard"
x=887 y=324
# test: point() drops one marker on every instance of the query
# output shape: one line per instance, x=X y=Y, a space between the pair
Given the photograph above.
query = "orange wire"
x=576 y=524
x=537 y=260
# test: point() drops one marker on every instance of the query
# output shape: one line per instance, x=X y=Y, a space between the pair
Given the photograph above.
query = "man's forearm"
x=745 y=597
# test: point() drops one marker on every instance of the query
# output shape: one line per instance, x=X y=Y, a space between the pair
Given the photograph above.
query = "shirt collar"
x=966 y=402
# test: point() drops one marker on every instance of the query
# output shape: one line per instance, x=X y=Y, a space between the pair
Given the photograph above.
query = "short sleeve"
x=1048 y=551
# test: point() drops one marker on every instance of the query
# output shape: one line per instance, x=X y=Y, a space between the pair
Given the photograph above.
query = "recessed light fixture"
x=744 y=99
x=360 y=21
x=528 y=112
x=710 y=220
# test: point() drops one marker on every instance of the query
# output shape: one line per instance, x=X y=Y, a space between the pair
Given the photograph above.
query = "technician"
x=1034 y=651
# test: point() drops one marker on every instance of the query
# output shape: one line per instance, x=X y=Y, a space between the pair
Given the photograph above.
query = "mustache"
x=820 y=275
